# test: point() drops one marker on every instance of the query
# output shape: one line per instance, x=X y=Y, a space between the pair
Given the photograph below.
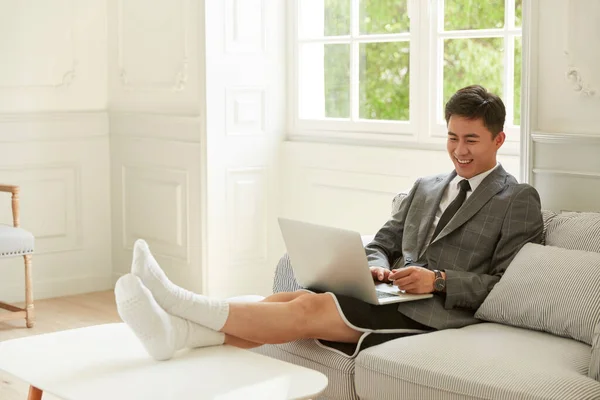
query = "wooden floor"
x=56 y=315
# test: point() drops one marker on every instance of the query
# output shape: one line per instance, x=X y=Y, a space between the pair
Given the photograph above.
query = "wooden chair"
x=16 y=242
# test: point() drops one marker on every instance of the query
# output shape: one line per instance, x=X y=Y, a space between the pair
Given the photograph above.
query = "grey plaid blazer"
x=474 y=249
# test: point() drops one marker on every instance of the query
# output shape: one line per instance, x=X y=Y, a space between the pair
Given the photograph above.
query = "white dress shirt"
x=450 y=194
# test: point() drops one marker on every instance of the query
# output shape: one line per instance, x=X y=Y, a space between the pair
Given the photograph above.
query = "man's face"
x=471 y=146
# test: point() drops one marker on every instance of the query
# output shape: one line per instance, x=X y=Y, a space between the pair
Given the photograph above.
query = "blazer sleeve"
x=386 y=246
x=523 y=223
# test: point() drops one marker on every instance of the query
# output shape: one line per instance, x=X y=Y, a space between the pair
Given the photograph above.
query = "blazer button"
x=409 y=260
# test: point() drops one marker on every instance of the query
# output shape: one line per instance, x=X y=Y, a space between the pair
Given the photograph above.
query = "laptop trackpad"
x=388 y=288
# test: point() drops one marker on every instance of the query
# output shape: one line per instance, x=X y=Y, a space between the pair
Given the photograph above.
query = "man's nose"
x=461 y=149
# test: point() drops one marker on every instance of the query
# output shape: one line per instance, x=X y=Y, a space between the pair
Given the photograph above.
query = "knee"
x=310 y=307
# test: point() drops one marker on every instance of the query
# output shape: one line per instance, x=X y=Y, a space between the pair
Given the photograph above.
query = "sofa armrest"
x=594 y=370
x=285 y=281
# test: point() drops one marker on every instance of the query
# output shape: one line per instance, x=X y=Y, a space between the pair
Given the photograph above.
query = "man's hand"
x=380 y=274
x=415 y=280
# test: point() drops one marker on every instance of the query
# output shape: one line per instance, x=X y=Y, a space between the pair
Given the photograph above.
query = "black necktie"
x=452 y=208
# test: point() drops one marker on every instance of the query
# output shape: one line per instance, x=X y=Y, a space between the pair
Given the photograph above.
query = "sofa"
x=539 y=336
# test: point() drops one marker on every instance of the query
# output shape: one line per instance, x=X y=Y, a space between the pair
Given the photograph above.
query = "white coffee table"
x=107 y=362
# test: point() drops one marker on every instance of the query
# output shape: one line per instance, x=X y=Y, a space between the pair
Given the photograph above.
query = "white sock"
x=161 y=334
x=176 y=300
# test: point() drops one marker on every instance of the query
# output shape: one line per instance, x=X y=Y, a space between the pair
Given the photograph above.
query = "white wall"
x=245 y=120
x=54 y=142
x=155 y=68
x=196 y=110
x=565 y=161
x=353 y=186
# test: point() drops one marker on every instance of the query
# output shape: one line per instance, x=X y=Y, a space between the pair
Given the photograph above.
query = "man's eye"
x=471 y=141
x=452 y=139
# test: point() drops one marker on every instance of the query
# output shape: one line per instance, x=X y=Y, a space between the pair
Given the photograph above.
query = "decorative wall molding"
x=43 y=126
x=51 y=204
x=245 y=29
x=375 y=183
x=578 y=79
x=245 y=111
x=60 y=78
x=565 y=138
x=156 y=126
x=579 y=174
x=155 y=203
x=128 y=78
x=52 y=288
x=247 y=210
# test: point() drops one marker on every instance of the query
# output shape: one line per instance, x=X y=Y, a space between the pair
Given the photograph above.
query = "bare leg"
x=307 y=316
x=283 y=297
x=276 y=297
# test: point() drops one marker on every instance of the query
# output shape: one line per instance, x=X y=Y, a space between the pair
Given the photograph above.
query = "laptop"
x=334 y=260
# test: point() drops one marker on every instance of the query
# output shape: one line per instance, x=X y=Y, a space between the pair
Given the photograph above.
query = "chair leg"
x=30 y=316
x=34 y=393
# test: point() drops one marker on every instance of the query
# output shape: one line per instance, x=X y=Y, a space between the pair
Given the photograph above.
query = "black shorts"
x=379 y=323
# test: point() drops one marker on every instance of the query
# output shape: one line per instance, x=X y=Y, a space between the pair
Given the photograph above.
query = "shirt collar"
x=476 y=180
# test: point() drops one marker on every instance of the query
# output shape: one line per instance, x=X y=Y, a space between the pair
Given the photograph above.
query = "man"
x=454 y=236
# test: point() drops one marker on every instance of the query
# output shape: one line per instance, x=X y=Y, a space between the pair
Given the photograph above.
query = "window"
x=383 y=69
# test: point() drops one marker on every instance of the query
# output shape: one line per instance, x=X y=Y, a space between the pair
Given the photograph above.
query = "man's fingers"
x=411 y=289
x=401 y=273
x=402 y=283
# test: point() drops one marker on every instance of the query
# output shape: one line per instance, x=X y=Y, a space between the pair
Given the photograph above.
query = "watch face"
x=439 y=284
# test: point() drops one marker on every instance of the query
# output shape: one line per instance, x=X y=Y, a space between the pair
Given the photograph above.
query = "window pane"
x=518 y=12
x=473 y=14
x=383 y=16
x=324 y=18
x=324 y=81
x=473 y=61
x=517 y=89
x=384 y=81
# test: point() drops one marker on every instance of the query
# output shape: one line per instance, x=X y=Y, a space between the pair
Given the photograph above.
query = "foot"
x=176 y=300
x=161 y=334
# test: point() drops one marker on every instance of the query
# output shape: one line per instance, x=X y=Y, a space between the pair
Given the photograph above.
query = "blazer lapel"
x=432 y=202
x=491 y=185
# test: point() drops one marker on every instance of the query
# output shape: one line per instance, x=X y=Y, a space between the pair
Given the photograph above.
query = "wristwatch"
x=439 y=284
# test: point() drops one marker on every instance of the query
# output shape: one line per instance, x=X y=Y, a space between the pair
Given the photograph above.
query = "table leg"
x=34 y=393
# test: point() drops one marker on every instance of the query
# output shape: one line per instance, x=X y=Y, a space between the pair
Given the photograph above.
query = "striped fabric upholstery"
x=576 y=231
x=307 y=353
x=482 y=361
x=547 y=216
x=549 y=289
x=284 y=280
x=594 y=370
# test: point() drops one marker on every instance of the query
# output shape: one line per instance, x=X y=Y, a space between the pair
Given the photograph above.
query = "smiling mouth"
x=463 y=162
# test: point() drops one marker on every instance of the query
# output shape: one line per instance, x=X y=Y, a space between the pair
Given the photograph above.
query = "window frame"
x=423 y=131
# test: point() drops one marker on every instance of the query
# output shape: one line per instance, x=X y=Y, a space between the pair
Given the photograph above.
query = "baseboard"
x=52 y=288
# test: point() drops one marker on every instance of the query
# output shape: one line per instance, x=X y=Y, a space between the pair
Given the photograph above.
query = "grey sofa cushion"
x=307 y=353
x=594 y=370
x=549 y=289
x=482 y=361
x=575 y=231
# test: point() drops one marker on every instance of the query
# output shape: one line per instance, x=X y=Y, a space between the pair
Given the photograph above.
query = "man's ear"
x=499 y=139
